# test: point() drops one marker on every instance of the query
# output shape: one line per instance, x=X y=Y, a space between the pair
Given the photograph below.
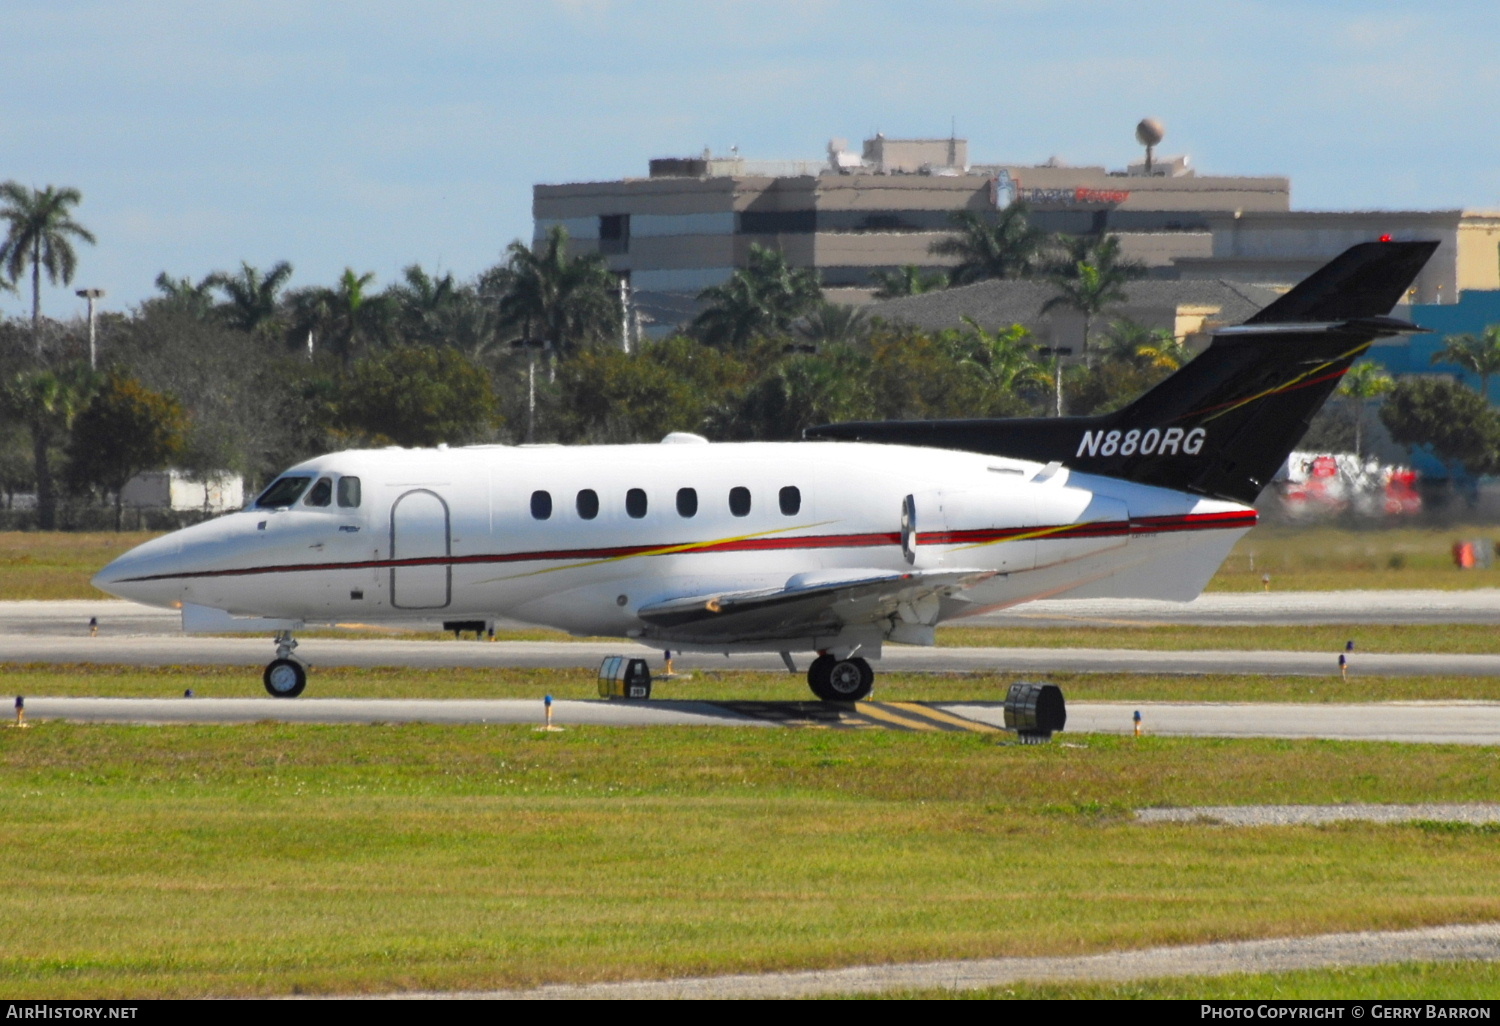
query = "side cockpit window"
x=321 y=494
x=349 y=492
x=283 y=492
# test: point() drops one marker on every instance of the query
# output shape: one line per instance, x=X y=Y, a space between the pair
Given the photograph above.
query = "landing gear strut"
x=840 y=680
x=285 y=677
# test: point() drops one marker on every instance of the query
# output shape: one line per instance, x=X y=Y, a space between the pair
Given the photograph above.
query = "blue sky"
x=378 y=134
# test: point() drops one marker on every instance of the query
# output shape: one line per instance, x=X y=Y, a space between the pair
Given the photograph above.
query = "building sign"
x=1003 y=189
x=1077 y=197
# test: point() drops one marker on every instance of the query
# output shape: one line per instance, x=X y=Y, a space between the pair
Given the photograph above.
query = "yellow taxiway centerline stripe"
x=876 y=712
x=974 y=726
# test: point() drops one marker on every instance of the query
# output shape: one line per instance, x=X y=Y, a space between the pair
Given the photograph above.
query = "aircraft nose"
x=142 y=574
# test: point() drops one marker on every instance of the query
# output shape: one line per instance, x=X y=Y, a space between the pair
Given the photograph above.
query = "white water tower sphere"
x=1150 y=132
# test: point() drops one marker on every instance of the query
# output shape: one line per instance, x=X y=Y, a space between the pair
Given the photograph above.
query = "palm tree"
x=251 y=296
x=1364 y=381
x=763 y=298
x=907 y=280
x=47 y=402
x=1090 y=290
x=422 y=304
x=348 y=318
x=1145 y=348
x=565 y=302
x=1005 y=360
x=182 y=294
x=39 y=237
x=834 y=324
x=1010 y=247
x=1478 y=354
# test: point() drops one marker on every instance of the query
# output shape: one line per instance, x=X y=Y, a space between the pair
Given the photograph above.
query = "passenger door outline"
x=427 y=585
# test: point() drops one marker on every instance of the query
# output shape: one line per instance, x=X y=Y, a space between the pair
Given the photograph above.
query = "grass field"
x=1330 y=638
x=1334 y=559
x=272 y=859
x=45 y=679
x=38 y=565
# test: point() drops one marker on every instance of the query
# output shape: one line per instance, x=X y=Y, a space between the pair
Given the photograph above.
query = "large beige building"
x=690 y=224
x=1280 y=248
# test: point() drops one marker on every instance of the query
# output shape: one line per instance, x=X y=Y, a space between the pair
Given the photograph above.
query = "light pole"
x=91 y=295
x=1057 y=353
x=532 y=347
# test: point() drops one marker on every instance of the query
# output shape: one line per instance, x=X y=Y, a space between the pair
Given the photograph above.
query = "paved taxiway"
x=1289 y=608
x=161 y=650
x=1431 y=944
x=1475 y=723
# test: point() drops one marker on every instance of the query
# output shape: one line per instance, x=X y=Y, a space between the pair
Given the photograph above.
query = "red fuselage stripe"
x=1097 y=529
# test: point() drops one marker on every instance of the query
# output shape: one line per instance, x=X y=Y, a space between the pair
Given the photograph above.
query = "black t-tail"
x=1223 y=424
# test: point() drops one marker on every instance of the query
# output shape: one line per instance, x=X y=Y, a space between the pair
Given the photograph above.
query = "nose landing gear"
x=840 y=680
x=285 y=677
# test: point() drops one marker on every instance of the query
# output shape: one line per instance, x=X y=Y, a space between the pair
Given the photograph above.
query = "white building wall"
x=686 y=280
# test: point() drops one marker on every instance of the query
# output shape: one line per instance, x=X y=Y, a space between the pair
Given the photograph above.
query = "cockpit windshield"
x=283 y=492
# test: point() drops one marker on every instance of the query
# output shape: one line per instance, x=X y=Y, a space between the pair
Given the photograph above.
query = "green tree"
x=801 y=390
x=1006 y=245
x=1364 y=381
x=1452 y=419
x=1146 y=349
x=565 y=301
x=47 y=402
x=346 y=319
x=610 y=396
x=907 y=280
x=181 y=294
x=1477 y=354
x=1090 y=290
x=1005 y=361
x=833 y=324
x=40 y=236
x=761 y=299
x=125 y=429
x=250 y=296
x=416 y=396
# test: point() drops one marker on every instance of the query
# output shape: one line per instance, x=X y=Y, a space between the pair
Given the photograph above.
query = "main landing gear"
x=285 y=677
x=840 y=680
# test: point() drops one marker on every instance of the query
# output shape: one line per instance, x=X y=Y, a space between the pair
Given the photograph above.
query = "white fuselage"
x=460 y=534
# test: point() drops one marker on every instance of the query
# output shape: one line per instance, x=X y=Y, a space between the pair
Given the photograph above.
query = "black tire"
x=284 y=678
x=847 y=680
x=817 y=677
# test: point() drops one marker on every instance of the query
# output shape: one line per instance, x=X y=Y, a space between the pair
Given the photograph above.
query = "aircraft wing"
x=811 y=603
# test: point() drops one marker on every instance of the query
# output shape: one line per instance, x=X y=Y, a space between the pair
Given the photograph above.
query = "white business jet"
x=862 y=535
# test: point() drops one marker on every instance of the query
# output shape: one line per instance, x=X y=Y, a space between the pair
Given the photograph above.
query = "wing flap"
x=809 y=603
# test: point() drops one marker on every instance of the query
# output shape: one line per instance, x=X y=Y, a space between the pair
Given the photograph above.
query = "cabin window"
x=588 y=504
x=541 y=505
x=349 y=492
x=790 y=498
x=321 y=494
x=687 y=502
x=283 y=492
x=635 y=502
x=739 y=501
